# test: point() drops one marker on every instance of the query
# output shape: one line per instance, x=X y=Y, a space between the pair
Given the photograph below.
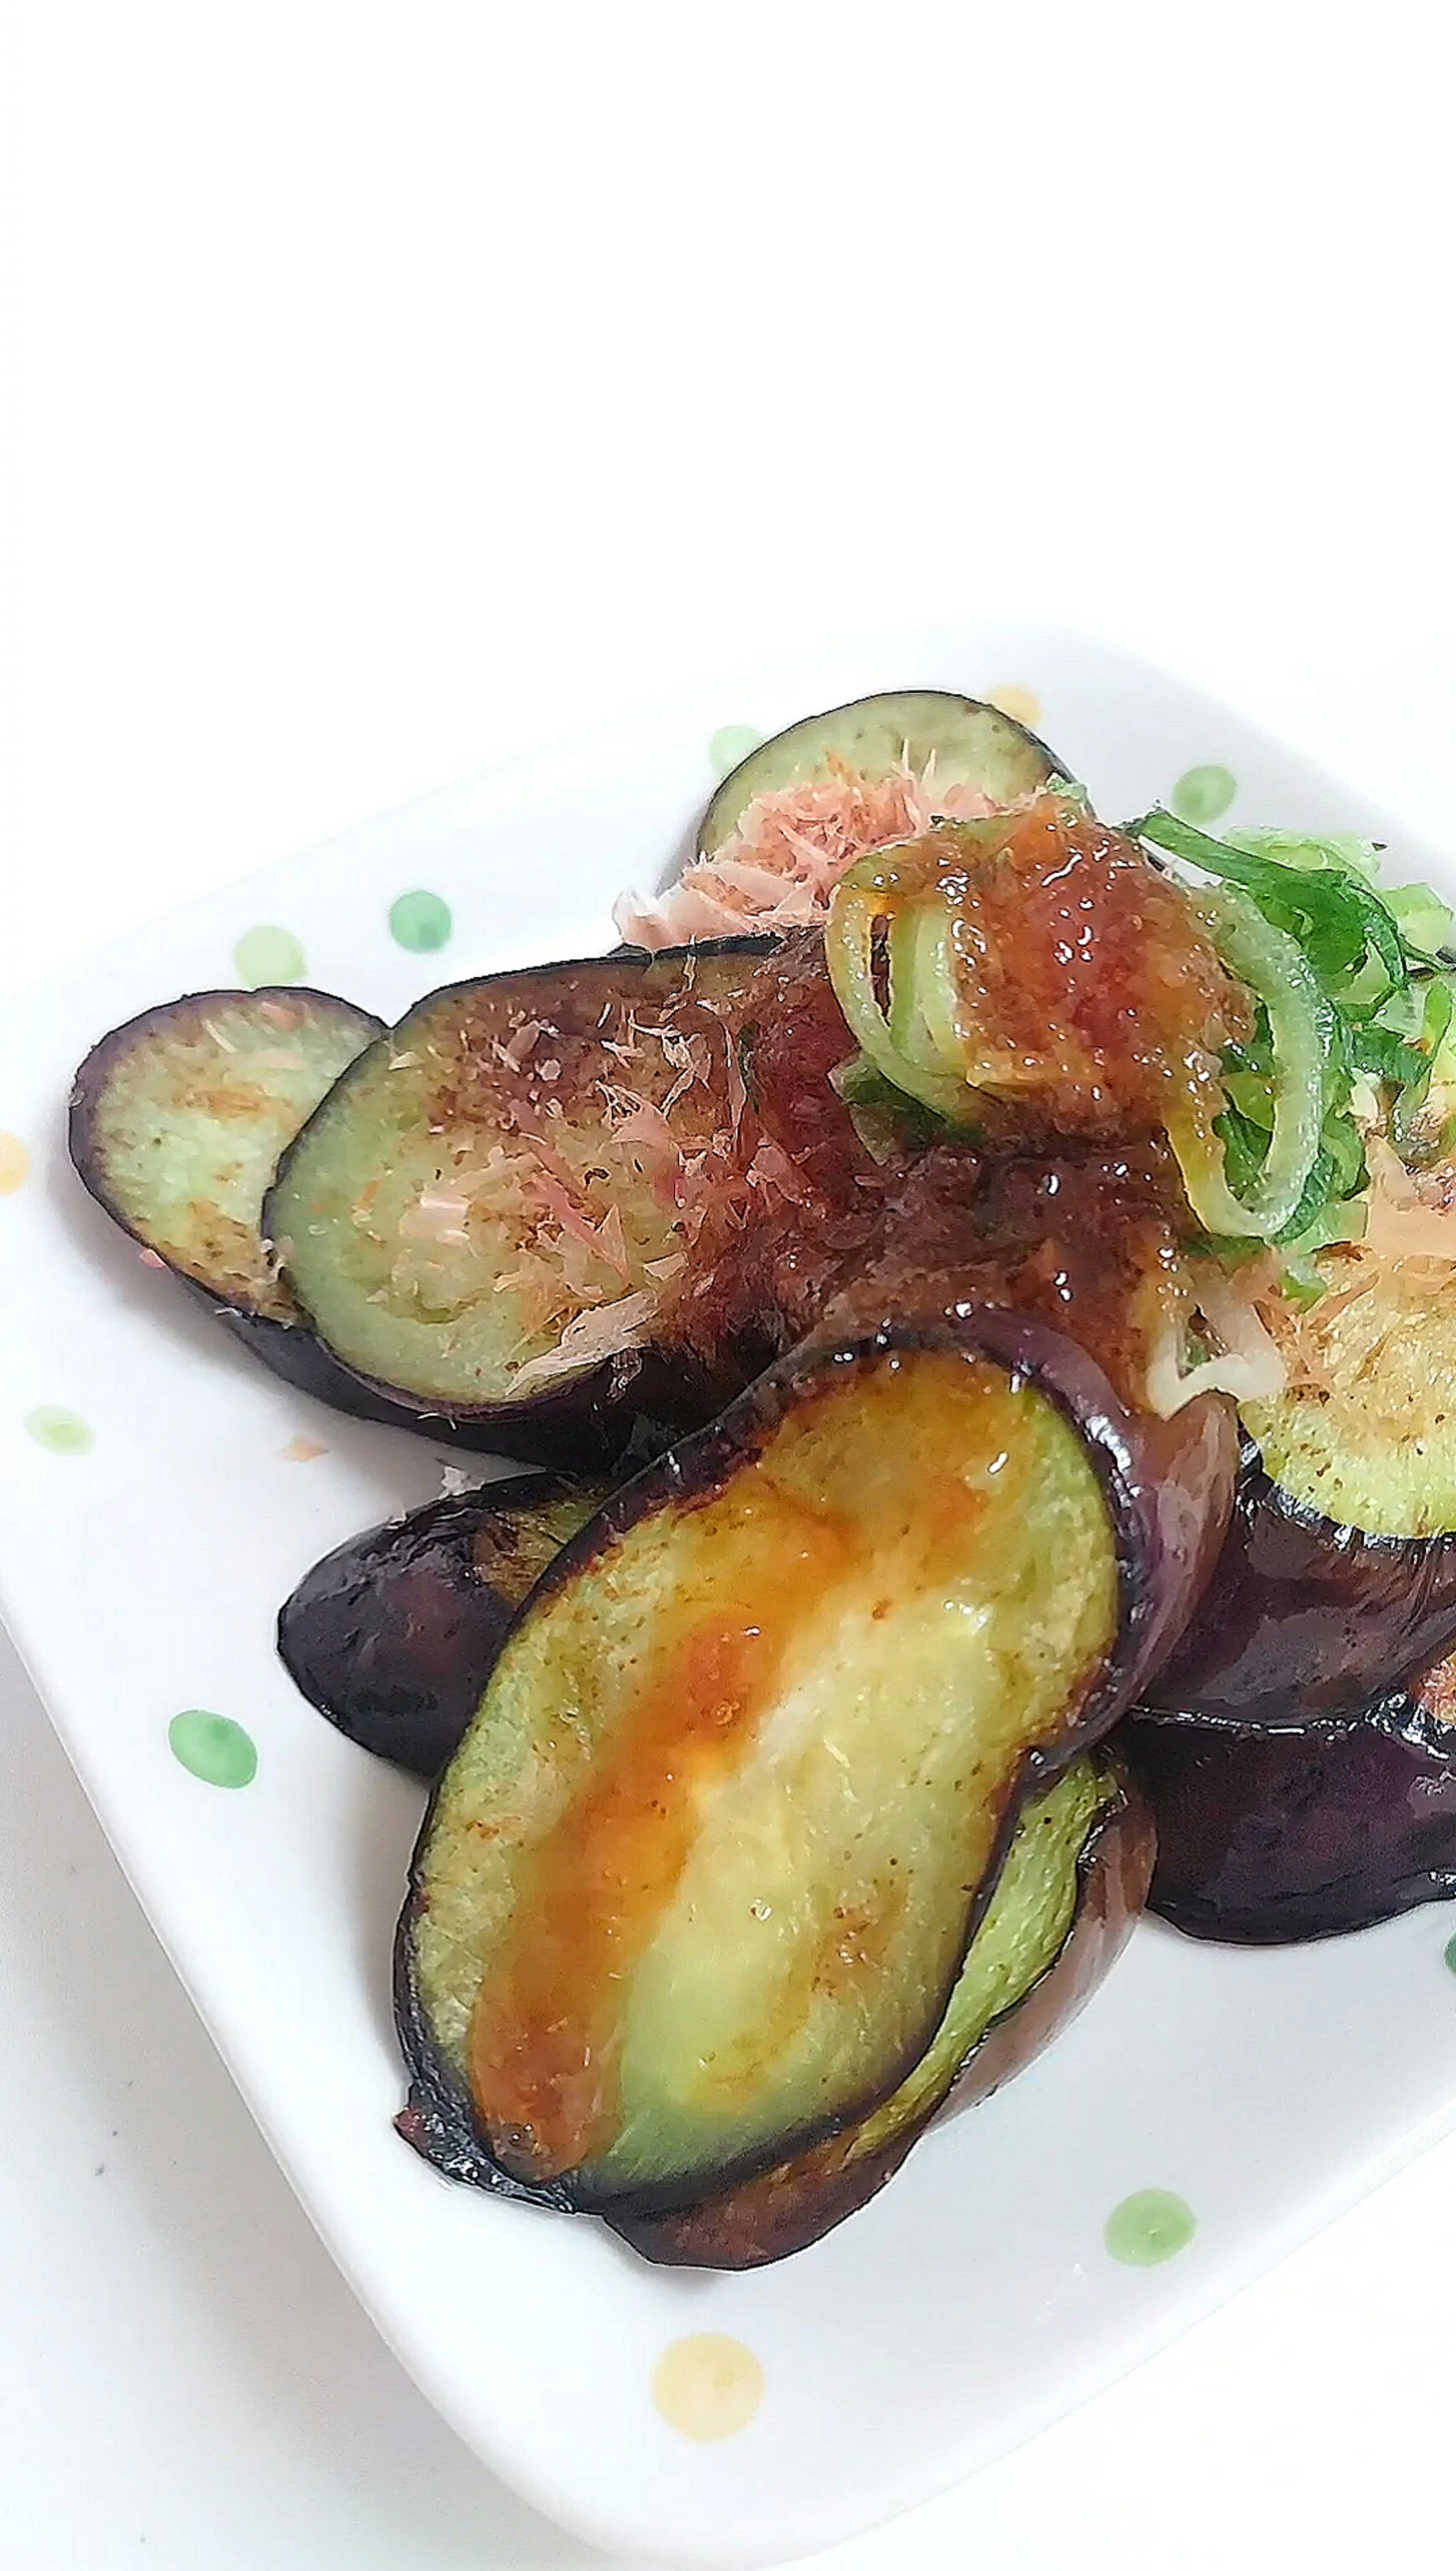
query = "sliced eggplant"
x=1071 y=1890
x=1366 y=1432
x=177 y=1122
x=956 y=740
x=393 y=1636
x=491 y=1216
x=1304 y=1617
x=1326 y=1824
x=179 y=1118
x=695 y=1888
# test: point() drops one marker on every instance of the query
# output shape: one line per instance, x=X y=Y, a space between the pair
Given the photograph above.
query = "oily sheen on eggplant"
x=1307 y=1618
x=392 y=1635
x=695 y=1891
x=958 y=741
x=1071 y=1888
x=176 y=1123
x=1326 y=1824
x=475 y=1225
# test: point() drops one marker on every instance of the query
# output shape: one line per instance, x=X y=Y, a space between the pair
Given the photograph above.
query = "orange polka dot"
x=13 y=1164
x=1019 y=702
x=708 y=2386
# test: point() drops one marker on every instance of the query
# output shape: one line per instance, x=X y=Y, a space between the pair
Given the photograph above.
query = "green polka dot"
x=420 y=921
x=1451 y=1954
x=266 y=956
x=213 y=1746
x=1150 y=2227
x=61 y=1432
x=730 y=745
x=1204 y=794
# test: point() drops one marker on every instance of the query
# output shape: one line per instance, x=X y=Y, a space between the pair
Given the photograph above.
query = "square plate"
x=975 y=2300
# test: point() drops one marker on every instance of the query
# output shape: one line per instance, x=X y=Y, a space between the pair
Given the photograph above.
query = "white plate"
x=976 y=2298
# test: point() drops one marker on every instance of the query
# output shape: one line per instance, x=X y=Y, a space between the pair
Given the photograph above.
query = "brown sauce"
x=543 y=2042
x=1088 y=993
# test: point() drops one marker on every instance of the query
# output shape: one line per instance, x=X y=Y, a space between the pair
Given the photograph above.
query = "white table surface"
x=397 y=388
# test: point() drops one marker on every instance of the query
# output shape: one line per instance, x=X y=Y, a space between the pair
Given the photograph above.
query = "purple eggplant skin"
x=1168 y=1487
x=1303 y=1617
x=786 y=2209
x=393 y=1635
x=1268 y=1837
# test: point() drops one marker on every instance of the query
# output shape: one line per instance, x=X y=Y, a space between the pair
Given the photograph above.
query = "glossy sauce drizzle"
x=1087 y=993
x=542 y=2050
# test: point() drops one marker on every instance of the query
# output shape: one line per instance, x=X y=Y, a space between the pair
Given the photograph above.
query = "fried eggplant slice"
x=695 y=1888
x=503 y=1209
x=789 y=820
x=1304 y=1617
x=1069 y=1895
x=177 y=1123
x=1325 y=1825
x=957 y=745
x=393 y=1635
x=179 y=1118
x=1338 y=1581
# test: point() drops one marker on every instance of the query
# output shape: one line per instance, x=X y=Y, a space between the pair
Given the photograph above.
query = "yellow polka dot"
x=708 y=2386
x=301 y=1450
x=13 y=1164
x=1019 y=702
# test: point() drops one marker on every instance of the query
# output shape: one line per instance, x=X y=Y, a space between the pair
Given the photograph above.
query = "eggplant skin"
x=393 y=1635
x=1167 y=1487
x=787 y=2209
x=1269 y=1838
x=1303 y=1617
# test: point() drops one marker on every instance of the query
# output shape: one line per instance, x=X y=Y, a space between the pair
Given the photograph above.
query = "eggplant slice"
x=1068 y=1897
x=1323 y=1826
x=481 y=1224
x=1304 y=1618
x=393 y=1636
x=695 y=1890
x=177 y=1122
x=958 y=741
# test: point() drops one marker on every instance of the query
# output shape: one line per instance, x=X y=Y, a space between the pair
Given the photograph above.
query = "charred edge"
x=438 y=2119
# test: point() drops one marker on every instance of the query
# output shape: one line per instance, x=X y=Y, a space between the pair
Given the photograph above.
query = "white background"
x=392 y=388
